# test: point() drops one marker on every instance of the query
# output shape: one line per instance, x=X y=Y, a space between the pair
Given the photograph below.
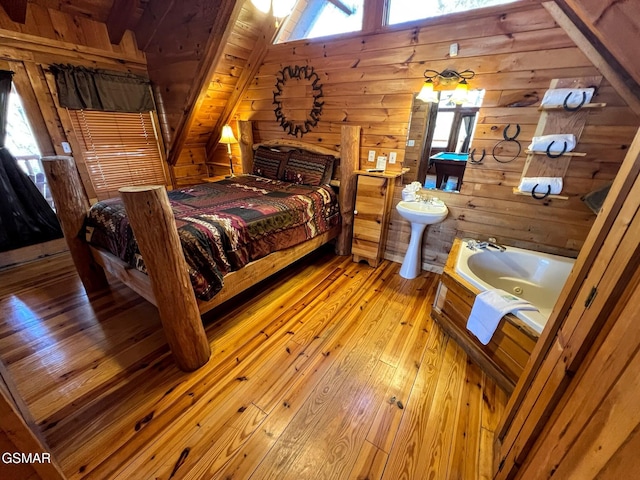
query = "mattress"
x=224 y=225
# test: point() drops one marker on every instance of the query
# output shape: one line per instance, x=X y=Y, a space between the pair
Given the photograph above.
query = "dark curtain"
x=81 y=88
x=25 y=216
x=467 y=121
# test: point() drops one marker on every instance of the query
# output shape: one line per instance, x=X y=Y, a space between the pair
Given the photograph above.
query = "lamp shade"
x=461 y=92
x=227 y=135
x=427 y=94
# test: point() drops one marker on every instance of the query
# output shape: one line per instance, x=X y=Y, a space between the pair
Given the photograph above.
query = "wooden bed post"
x=155 y=230
x=72 y=206
x=349 y=163
x=245 y=132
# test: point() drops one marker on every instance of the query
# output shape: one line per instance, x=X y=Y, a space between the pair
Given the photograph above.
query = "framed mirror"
x=440 y=135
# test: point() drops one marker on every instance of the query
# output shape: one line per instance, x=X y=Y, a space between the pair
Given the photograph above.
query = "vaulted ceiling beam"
x=16 y=9
x=621 y=81
x=228 y=14
x=268 y=31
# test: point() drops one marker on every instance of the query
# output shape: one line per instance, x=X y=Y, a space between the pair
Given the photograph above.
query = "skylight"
x=319 y=18
x=333 y=20
x=401 y=11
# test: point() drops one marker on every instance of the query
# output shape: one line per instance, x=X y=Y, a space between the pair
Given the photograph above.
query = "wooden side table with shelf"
x=374 y=196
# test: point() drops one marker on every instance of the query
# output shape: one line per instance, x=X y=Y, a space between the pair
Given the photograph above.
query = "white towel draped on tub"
x=488 y=308
x=527 y=184
x=540 y=144
x=556 y=96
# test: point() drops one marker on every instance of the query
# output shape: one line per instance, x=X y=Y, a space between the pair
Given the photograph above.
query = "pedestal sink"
x=420 y=214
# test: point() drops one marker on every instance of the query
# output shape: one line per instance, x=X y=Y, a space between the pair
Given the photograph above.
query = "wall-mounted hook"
x=556 y=155
x=533 y=192
x=568 y=108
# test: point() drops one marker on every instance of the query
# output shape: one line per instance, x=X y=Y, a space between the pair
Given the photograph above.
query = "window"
x=22 y=145
x=401 y=11
x=319 y=18
x=119 y=149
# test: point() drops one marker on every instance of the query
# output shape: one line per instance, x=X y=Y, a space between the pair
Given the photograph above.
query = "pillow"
x=269 y=163
x=308 y=168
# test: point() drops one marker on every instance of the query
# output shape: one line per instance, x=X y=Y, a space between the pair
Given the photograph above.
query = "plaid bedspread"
x=224 y=225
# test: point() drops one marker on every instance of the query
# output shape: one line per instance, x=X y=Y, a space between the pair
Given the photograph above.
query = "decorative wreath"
x=295 y=127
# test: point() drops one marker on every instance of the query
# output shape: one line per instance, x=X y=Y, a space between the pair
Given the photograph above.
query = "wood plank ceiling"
x=202 y=56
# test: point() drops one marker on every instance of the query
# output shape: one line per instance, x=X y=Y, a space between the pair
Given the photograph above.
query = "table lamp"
x=228 y=138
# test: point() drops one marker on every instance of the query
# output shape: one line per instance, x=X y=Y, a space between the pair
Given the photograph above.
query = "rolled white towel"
x=408 y=196
x=540 y=144
x=556 y=96
x=412 y=187
x=527 y=184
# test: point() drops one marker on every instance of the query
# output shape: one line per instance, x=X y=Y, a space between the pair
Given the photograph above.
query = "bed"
x=155 y=265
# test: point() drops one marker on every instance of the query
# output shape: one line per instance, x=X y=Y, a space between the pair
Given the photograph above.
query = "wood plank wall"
x=61 y=27
x=191 y=165
x=515 y=50
x=50 y=36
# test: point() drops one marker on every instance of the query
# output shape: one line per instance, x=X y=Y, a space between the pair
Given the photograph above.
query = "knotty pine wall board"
x=66 y=27
x=371 y=79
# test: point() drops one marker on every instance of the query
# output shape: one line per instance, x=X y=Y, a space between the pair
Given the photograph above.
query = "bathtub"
x=534 y=276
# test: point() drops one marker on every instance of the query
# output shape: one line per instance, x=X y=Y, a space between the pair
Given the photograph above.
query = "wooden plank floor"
x=332 y=370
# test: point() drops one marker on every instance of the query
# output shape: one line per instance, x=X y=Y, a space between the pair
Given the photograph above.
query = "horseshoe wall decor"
x=472 y=157
x=298 y=127
x=507 y=139
x=556 y=155
x=540 y=197
x=574 y=108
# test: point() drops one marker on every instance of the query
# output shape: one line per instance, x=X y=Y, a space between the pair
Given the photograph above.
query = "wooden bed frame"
x=167 y=284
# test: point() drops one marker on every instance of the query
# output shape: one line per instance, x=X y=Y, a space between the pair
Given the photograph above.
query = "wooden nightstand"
x=374 y=196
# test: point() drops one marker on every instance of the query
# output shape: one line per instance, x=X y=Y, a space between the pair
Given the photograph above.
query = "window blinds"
x=119 y=149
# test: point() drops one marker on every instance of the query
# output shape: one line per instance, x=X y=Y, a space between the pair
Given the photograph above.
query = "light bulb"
x=282 y=8
x=263 y=5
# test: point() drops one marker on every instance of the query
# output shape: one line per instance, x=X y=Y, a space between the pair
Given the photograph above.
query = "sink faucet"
x=492 y=242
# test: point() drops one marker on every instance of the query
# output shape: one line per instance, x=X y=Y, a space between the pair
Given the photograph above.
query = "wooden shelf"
x=385 y=174
x=566 y=154
x=555 y=120
x=528 y=194
x=561 y=107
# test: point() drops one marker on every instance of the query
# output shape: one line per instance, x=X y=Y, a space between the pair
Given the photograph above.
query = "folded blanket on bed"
x=556 y=143
x=488 y=308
